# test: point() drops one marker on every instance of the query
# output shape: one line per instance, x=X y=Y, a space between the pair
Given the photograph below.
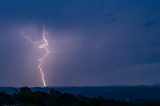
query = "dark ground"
x=51 y=97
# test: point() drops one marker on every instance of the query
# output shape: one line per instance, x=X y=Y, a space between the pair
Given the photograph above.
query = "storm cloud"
x=92 y=42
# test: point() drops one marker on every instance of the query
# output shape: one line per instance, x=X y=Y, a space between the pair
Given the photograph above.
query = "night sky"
x=91 y=42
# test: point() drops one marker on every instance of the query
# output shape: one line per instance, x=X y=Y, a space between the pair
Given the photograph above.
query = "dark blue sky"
x=92 y=42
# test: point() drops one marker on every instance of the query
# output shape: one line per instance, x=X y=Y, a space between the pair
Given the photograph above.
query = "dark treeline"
x=25 y=97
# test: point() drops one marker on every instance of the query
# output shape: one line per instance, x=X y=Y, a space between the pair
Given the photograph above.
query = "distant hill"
x=109 y=92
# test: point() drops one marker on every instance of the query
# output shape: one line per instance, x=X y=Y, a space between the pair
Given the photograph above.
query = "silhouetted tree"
x=5 y=98
x=25 y=97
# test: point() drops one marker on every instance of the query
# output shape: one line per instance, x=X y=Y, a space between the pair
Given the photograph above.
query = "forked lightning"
x=41 y=45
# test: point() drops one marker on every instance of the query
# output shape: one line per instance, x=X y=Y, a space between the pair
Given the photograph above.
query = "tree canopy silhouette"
x=26 y=97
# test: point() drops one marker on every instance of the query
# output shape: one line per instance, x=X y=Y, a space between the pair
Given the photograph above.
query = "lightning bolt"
x=41 y=45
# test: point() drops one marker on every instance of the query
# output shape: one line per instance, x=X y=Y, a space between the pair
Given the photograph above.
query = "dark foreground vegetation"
x=25 y=97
